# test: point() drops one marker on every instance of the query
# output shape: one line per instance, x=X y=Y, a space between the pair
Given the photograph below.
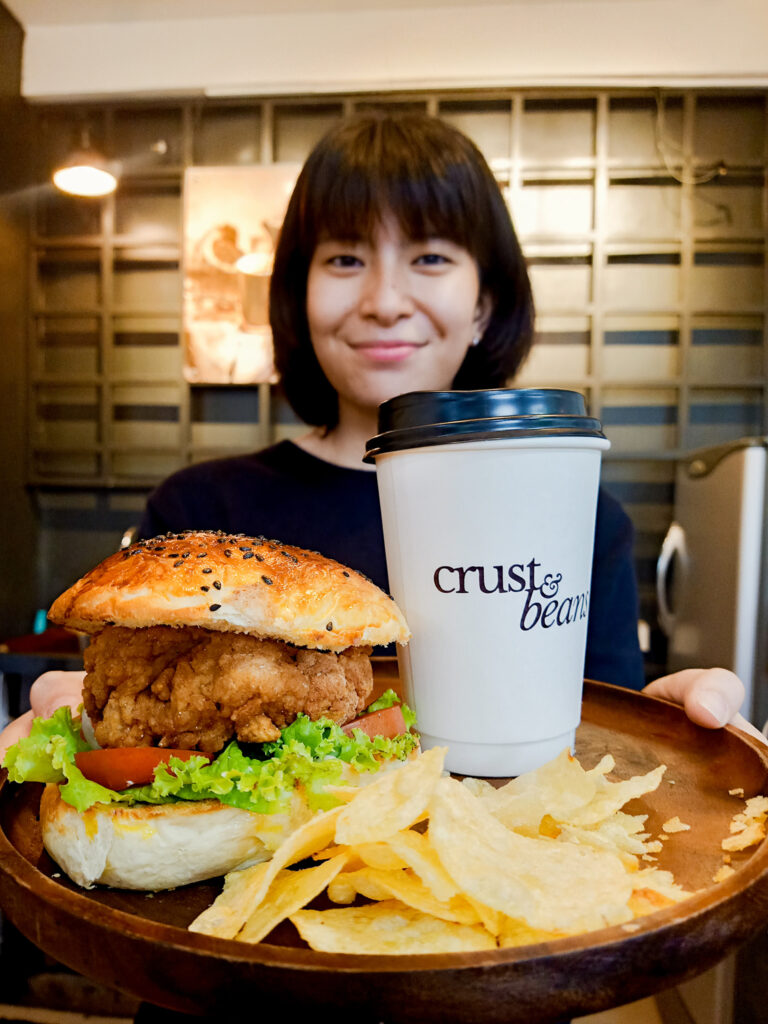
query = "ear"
x=483 y=313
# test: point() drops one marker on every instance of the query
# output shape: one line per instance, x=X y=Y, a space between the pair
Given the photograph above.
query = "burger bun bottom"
x=156 y=847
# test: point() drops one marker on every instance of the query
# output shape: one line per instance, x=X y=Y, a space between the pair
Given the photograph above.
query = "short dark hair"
x=436 y=183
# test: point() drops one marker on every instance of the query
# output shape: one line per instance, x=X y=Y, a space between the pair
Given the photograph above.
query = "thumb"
x=711 y=697
x=54 y=690
x=15 y=731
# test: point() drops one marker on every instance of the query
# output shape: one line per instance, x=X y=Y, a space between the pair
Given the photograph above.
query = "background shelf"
x=643 y=217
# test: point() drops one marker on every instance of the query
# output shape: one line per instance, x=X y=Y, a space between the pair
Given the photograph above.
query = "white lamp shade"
x=84 y=179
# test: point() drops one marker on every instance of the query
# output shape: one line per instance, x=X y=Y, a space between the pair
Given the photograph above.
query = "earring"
x=476 y=340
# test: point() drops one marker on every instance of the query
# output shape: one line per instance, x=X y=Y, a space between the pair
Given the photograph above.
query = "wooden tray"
x=138 y=942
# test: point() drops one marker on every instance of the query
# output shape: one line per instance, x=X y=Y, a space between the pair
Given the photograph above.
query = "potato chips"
x=394 y=801
x=748 y=826
x=450 y=866
x=387 y=928
x=548 y=884
x=245 y=890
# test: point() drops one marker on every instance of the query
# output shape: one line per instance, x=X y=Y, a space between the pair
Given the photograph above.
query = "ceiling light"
x=85 y=172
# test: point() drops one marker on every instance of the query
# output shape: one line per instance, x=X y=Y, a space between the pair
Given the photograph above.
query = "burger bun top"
x=233 y=583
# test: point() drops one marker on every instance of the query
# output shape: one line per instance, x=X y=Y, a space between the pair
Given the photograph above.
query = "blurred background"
x=641 y=208
x=630 y=137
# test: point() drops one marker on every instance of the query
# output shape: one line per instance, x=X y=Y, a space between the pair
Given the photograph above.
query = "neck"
x=345 y=444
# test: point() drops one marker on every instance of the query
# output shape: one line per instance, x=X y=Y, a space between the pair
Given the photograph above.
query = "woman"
x=397 y=269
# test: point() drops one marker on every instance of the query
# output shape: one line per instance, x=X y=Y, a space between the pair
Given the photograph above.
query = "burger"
x=224 y=703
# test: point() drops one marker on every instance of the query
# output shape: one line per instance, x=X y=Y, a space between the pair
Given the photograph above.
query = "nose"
x=385 y=295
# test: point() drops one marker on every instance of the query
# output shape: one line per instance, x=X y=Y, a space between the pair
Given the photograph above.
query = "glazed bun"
x=235 y=584
x=155 y=847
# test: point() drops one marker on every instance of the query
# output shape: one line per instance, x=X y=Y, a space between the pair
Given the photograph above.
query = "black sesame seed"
x=228 y=553
x=267 y=580
x=329 y=627
x=217 y=585
x=205 y=589
x=248 y=554
x=208 y=570
x=346 y=574
x=245 y=548
x=214 y=607
x=259 y=558
x=175 y=554
x=177 y=564
x=186 y=554
x=202 y=554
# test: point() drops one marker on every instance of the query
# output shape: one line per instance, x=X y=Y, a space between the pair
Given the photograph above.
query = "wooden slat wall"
x=643 y=217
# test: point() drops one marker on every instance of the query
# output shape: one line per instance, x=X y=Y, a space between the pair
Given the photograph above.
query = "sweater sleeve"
x=613 y=649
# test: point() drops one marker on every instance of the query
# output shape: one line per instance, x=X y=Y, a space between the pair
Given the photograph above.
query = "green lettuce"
x=48 y=755
x=387 y=700
x=310 y=755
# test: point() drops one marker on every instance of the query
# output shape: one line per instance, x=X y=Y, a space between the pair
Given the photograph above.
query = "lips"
x=387 y=351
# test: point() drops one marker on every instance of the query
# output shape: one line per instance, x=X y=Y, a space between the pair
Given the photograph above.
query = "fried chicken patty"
x=196 y=689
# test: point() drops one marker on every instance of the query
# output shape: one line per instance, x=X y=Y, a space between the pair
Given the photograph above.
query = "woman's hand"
x=49 y=691
x=711 y=697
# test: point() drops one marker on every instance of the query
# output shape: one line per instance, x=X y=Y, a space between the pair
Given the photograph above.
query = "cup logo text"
x=543 y=605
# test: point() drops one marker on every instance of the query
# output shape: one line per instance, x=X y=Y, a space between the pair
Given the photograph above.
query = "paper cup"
x=488 y=504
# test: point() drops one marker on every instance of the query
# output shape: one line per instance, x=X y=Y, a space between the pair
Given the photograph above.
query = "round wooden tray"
x=138 y=942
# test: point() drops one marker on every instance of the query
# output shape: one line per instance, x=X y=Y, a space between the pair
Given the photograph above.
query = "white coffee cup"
x=488 y=503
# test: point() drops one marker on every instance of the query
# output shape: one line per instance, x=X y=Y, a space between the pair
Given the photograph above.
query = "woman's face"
x=392 y=315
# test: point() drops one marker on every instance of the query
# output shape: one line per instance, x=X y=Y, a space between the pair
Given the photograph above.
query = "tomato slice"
x=120 y=767
x=387 y=722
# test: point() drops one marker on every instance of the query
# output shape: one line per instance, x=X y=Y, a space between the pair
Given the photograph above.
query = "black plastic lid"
x=423 y=418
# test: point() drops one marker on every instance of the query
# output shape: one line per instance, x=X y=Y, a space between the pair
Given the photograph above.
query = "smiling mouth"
x=388 y=351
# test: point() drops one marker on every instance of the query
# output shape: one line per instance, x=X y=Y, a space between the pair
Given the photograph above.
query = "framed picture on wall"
x=232 y=217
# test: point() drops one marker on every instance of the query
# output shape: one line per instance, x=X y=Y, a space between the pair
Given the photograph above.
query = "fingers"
x=54 y=690
x=49 y=691
x=13 y=732
x=711 y=697
x=745 y=726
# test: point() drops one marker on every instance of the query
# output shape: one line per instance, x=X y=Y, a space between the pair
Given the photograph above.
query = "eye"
x=431 y=259
x=434 y=253
x=344 y=261
x=341 y=254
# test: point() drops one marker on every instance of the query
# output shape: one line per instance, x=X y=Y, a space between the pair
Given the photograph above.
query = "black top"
x=287 y=494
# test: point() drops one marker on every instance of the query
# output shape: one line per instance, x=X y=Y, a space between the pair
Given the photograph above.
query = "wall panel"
x=642 y=215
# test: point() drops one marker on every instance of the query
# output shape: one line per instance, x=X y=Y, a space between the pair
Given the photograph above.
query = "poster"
x=232 y=217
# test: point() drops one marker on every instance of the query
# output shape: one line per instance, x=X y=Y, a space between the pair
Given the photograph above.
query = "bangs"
x=431 y=192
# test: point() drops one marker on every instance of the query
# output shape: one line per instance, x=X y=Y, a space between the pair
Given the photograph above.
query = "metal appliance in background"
x=712 y=588
x=712 y=573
